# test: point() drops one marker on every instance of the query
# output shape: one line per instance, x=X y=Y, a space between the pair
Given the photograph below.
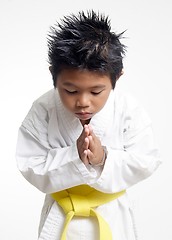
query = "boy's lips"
x=83 y=115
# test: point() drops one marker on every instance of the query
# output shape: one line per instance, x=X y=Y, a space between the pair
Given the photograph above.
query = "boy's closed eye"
x=71 y=91
x=75 y=92
x=96 y=93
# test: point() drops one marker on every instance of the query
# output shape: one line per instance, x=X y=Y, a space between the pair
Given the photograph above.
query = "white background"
x=24 y=76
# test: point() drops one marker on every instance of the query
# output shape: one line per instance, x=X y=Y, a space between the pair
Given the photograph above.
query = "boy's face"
x=83 y=93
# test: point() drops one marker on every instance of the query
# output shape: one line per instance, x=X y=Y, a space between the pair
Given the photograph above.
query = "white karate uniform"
x=47 y=157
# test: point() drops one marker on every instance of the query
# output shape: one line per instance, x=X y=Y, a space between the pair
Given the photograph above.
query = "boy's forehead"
x=72 y=78
x=73 y=84
x=68 y=74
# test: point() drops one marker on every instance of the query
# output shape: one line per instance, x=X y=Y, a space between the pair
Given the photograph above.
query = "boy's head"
x=85 y=41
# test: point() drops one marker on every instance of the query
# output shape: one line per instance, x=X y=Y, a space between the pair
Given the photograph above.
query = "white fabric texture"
x=47 y=157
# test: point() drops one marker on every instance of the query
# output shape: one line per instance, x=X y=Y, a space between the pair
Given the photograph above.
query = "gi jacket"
x=47 y=157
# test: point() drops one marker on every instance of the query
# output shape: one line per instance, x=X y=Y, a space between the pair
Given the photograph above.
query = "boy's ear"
x=50 y=69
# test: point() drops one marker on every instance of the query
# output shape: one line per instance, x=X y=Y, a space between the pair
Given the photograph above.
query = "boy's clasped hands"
x=89 y=147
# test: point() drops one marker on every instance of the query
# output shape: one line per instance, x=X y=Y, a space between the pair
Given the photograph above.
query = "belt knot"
x=77 y=204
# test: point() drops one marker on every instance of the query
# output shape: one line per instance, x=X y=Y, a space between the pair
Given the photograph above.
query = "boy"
x=84 y=142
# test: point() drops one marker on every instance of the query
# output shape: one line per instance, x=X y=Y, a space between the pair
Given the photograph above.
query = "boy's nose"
x=82 y=101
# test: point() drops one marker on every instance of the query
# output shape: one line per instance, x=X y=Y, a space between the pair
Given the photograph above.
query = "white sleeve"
x=51 y=170
x=138 y=159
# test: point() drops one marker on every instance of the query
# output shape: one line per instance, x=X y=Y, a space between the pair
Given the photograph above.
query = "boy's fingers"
x=92 y=143
x=89 y=155
x=86 y=143
x=85 y=157
x=84 y=134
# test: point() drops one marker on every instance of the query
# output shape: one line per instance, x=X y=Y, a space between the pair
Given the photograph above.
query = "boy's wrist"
x=103 y=159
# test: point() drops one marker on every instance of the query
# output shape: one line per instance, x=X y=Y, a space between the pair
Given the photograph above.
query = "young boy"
x=84 y=142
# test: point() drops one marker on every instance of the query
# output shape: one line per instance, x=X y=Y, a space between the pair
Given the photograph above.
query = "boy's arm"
x=135 y=162
x=51 y=170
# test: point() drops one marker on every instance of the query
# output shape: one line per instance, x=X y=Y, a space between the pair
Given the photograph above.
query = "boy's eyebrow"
x=68 y=84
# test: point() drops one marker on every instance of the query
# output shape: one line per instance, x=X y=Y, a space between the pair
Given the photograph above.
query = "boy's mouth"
x=83 y=115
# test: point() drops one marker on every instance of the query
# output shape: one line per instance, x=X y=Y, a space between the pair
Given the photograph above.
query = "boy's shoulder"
x=38 y=114
x=46 y=97
x=124 y=97
x=46 y=100
x=131 y=107
x=42 y=106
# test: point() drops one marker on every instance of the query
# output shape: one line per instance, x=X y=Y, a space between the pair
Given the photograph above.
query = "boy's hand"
x=89 y=147
x=82 y=145
x=95 y=151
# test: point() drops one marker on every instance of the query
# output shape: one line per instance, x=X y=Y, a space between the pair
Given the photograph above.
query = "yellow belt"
x=80 y=201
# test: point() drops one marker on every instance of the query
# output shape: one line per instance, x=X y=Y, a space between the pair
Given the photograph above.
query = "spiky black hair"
x=85 y=41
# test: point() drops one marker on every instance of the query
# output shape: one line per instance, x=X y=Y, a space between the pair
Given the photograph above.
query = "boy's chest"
x=62 y=135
